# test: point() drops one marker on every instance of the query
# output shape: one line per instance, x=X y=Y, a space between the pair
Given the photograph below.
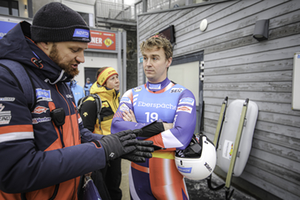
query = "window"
x=8 y=7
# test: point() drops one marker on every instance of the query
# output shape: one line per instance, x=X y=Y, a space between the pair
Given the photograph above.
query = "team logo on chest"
x=40 y=109
x=137 y=89
x=43 y=94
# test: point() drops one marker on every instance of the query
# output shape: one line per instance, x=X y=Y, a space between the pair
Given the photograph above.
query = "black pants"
x=109 y=183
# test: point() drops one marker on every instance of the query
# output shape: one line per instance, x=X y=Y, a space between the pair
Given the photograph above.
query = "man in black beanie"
x=44 y=148
x=54 y=23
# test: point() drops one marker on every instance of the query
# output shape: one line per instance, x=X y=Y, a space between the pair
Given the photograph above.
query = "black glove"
x=121 y=143
x=143 y=151
x=152 y=129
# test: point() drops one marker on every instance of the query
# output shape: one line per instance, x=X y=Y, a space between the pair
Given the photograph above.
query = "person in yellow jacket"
x=107 y=180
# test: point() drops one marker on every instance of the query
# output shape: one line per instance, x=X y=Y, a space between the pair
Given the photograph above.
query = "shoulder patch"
x=184 y=109
x=187 y=100
x=125 y=100
x=124 y=107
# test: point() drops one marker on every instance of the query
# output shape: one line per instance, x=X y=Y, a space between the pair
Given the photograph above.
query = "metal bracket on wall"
x=201 y=70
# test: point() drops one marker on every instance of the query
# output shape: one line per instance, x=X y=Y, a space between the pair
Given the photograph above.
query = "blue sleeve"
x=184 y=123
x=87 y=135
x=118 y=124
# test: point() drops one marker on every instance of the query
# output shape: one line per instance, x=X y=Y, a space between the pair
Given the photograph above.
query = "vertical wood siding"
x=240 y=67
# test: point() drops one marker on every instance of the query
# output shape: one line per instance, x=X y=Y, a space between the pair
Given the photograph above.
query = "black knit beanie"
x=55 y=22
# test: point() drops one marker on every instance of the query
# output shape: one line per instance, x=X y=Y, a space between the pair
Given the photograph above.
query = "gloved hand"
x=151 y=129
x=143 y=151
x=118 y=144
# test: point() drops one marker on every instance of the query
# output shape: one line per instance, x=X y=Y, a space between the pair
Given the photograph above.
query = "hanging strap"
x=99 y=106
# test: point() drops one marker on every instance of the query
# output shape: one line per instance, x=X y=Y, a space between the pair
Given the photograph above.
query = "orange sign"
x=102 y=40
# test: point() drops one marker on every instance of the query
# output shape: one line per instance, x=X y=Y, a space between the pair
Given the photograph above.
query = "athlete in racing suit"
x=159 y=99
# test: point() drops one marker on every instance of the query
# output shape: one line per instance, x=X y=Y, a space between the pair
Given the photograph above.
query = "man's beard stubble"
x=67 y=67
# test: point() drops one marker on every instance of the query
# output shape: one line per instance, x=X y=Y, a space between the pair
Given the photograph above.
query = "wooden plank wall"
x=240 y=67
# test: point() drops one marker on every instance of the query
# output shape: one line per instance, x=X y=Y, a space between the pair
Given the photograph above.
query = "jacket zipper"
x=114 y=101
x=75 y=193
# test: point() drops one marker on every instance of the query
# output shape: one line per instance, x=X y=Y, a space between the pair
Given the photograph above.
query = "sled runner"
x=233 y=139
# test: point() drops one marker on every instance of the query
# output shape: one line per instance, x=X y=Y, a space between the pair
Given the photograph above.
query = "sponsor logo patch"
x=176 y=90
x=186 y=170
x=187 y=100
x=40 y=110
x=82 y=33
x=105 y=104
x=41 y=120
x=125 y=100
x=124 y=107
x=85 y=114
x=155 y=86
x=207 y=167
x=137 y=89
x=156 y=105
x=7 y=98
x=5 y=116
x=43 y=95
x=69 y=96
x=184 y=109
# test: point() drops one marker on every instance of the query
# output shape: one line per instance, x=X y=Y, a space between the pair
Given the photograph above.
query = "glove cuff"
x=97 y=143
x=111 y=146
x=152 y=129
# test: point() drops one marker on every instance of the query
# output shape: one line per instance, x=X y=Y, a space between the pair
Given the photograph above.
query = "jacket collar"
x=96 y=88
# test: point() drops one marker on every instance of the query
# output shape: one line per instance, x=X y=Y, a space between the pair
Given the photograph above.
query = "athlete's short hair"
x=158 y=41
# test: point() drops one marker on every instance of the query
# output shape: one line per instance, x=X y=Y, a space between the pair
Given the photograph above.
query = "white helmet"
x=198 y=160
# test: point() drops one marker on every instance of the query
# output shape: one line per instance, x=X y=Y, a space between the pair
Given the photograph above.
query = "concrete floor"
x=125 y=182
x=197 y=190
